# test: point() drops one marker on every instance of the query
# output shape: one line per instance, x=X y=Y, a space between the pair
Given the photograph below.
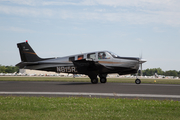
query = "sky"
x=57 y=28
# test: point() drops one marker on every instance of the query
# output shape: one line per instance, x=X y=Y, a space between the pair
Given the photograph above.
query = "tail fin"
x=27 y=53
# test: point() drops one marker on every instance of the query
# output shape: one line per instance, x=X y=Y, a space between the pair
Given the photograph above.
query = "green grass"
x=78 y=79
x=78 y=108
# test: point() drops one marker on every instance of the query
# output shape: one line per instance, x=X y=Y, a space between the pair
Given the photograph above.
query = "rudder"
x=27 y=53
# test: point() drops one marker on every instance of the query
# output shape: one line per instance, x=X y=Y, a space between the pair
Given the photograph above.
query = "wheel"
x=94 y=80
x=103 y=80
x=138 y=81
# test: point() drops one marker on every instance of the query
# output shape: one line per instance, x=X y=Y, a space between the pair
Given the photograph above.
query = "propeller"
x=141 y=61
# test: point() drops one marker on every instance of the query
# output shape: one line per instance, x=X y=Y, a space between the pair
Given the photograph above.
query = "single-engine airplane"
x=93 y=64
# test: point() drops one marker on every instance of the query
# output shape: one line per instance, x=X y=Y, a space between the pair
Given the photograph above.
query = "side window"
x=72 y=59
x=92 y=56
x=80 y=57
x=103 y=55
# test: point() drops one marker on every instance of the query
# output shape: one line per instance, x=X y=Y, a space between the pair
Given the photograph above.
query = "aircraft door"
x=92 y=56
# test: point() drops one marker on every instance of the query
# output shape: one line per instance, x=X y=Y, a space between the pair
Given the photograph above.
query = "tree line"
x=147 y=72
x=8 y=69
x=159 y=71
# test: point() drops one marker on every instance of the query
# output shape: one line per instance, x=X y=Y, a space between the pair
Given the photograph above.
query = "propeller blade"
x=142 y=61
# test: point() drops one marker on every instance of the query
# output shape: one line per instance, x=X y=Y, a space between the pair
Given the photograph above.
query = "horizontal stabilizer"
x=24 y=64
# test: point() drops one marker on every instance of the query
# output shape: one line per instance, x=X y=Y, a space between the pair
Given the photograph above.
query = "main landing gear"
x=94 y=79
x=103 y=78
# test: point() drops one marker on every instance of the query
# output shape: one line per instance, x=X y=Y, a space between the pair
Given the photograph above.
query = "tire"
x=103 y=80
x=94 y=81
x=138 y=81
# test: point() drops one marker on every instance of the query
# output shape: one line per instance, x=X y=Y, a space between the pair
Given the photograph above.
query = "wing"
x=85 y=66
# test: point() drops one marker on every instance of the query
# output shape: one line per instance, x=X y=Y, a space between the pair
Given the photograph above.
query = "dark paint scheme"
x=91 y=64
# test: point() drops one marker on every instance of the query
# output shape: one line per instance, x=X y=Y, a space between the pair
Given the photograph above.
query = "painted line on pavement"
x=91 y=94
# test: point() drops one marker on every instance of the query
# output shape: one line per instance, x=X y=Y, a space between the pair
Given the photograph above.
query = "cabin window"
x=72 y=59
x=92 y=56
x=103 y=55
x=80 y=57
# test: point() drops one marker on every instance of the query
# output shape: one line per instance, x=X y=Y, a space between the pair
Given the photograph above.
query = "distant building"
x=40 y=73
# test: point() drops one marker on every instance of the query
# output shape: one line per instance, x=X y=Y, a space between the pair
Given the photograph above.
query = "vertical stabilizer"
x=27 y=53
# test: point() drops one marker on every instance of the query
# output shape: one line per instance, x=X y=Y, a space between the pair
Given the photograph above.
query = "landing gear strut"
x=93 y=77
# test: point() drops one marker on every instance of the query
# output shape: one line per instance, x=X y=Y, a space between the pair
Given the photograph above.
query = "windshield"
x=114 y=55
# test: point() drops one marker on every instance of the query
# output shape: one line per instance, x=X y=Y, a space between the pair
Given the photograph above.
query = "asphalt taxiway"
x=124 y=90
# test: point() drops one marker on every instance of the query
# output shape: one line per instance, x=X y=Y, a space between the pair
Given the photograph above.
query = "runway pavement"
x=124 y=90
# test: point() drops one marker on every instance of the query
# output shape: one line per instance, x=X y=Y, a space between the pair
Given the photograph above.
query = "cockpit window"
x=114 y=55
x=103 y=55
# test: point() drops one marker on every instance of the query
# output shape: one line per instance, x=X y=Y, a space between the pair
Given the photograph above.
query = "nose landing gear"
x=138 y=81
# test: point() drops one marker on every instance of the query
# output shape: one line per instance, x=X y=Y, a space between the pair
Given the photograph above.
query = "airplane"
x=92 y=64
